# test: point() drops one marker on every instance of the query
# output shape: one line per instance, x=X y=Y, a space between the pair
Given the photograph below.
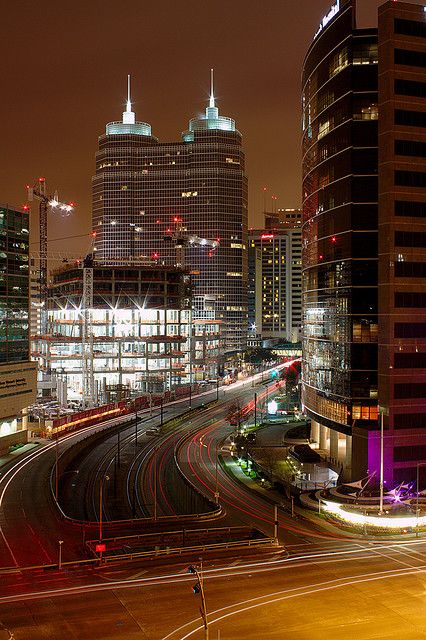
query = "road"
x=330 y=590
x=30 y=524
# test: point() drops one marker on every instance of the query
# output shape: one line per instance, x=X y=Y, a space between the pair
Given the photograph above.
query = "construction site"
x=106 y=331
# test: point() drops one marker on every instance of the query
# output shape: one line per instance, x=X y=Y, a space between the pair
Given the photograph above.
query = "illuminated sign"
x=272 y=408
x=328 y=17
x=267 y=236
x=100 y=548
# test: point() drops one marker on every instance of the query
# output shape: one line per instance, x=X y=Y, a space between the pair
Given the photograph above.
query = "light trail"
x=217 y=616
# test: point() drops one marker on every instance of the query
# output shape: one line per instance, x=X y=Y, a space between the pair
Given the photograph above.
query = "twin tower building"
x=179 y=202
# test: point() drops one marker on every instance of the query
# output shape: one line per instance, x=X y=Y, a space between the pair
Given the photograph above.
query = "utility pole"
x=216 y=491
x=56 y=467
x=101 y=506
x=381 y=459
x=60 y=542
x=199 y=588
x=276 y=524
x=155 y=483
x=255 y=410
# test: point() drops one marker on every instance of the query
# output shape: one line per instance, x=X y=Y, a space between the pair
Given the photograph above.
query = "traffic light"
x=274 y=373
x=196 y=588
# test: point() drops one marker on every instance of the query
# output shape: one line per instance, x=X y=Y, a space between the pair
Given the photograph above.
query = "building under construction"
x=119 y=331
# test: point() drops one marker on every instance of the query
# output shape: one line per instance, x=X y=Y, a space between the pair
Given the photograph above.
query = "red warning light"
x=158 y=221
x=41 y=179
x=334 y=239
x=72 y=204
x=177 y=219
x=154 y=256
x=25 y=207
x=93 y=234
x=321 y=257
x=168 y=230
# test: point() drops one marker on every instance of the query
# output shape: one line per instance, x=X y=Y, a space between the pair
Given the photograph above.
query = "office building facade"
x=145 y=193
x=362 y=239
x=18 y=385
x=402 y=238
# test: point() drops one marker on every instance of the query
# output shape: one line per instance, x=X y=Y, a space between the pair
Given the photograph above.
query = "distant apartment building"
x=283 y=219
x=364 y=239
x=18 y=385
x=275 y=267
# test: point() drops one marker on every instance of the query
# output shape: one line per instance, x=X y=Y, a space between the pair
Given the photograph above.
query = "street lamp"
x=60 y=542
x=199 y=588
x=216 y=491
x=419 y=464
x=101 y=504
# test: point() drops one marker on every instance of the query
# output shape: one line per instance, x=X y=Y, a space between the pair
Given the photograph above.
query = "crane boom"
x=39 y=192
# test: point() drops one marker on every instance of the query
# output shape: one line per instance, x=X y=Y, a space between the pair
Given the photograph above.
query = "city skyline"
x=258 y=86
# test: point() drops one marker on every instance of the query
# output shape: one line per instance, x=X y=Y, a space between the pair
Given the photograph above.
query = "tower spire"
x=128 y=115
x=129 y=102
x=212 y=103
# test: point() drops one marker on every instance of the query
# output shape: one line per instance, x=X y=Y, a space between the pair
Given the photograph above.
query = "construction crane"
x=39 y=192
x=182 y=239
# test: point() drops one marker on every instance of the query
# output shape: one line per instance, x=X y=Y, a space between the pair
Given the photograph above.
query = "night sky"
x=64 y=70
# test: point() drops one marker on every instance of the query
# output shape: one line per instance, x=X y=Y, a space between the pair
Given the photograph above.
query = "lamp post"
x=56 y=468
x=155 y=483
x=60 y=542
x=216 y=490
x=419 y=464
x=381 y=461
x=199 y=588
x=255 y=410
x=101 y=505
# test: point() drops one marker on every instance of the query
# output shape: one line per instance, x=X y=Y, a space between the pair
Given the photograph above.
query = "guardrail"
x=95 y=562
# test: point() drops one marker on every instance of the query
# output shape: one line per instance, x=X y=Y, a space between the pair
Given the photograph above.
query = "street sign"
x=100 y=548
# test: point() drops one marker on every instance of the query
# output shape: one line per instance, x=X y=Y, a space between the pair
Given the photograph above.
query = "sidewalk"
x=274 y=497
x=32 y=444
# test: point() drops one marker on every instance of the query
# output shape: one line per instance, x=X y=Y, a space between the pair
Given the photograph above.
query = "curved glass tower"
x=340 y=202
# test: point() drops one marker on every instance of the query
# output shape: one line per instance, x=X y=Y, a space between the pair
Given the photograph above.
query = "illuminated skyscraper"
x=144 y=191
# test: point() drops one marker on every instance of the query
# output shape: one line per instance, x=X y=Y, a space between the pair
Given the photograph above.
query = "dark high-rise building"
x=145 y=192
x=340 y=142
x=364 y=241
x=18 y=385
